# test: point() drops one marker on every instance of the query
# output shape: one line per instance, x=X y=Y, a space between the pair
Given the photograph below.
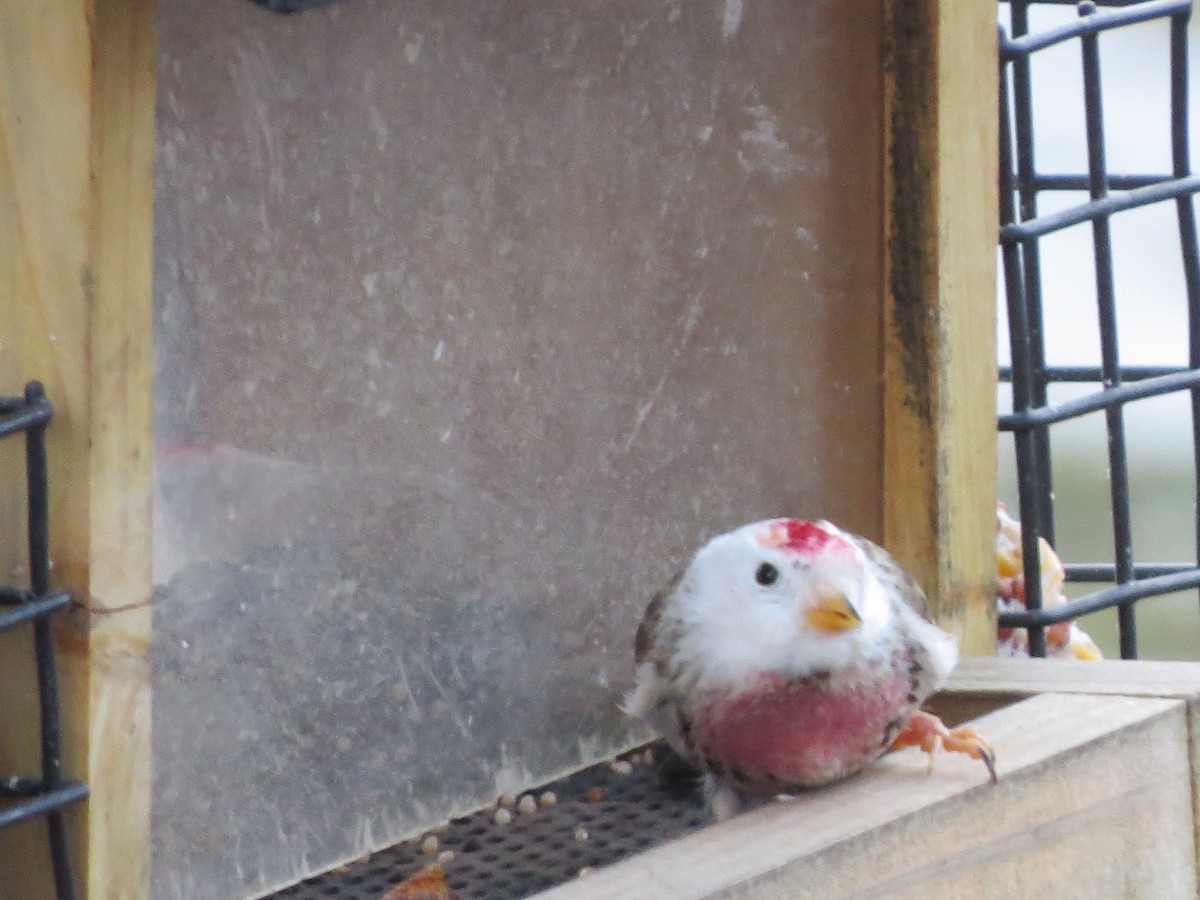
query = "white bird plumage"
x=811 y=611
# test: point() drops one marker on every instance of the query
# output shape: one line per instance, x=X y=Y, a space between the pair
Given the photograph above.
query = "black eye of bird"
x=766 y=575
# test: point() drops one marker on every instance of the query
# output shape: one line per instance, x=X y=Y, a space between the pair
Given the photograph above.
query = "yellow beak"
x=833 y=613
x=1008 y=562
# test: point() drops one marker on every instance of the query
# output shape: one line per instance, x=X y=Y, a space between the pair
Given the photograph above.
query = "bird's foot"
x=723 y=800
x=931 y=735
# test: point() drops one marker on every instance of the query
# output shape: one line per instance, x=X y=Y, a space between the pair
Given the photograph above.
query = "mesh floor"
x=600 y=815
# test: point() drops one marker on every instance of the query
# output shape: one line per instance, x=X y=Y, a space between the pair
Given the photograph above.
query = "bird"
x=790 y=654
x=1064 y=640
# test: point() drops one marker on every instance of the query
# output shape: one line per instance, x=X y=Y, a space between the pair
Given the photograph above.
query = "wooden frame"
x=77 y=129
x=1098 y=772
x=939 y=365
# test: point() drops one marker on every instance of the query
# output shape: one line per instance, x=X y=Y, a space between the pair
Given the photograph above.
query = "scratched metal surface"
x=473 y=320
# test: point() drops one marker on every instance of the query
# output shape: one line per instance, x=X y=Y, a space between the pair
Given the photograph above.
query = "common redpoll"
x=1064 y=640
x=791 y=654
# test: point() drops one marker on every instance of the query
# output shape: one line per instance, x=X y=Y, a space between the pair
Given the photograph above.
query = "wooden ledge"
x=1096 y=791
x=1022 y=678
x=982 y=685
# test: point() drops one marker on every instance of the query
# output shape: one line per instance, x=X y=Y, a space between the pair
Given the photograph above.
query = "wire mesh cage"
x=23 y=798
x=1023 y=226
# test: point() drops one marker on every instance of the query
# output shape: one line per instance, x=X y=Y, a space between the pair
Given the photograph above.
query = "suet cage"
x=436 y=335
x=1025 y=185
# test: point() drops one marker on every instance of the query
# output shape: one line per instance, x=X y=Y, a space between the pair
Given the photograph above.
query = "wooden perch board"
x=1096 y=791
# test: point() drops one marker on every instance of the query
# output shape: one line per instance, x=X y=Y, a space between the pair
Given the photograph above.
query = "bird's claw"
x=927 y=732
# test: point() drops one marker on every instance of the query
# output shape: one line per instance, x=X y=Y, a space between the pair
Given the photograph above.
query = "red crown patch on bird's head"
x=804 y=538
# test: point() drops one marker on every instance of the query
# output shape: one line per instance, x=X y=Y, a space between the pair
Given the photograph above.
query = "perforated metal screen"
x=599 y=817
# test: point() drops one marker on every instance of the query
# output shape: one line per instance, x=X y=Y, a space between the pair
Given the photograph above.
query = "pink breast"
x=802 y=732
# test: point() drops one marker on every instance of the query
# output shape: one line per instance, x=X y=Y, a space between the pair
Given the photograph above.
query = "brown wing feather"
x=647 y=632
x=906 y=586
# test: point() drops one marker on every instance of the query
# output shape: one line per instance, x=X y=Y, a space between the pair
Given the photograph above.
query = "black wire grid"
x=1021 y=227
x=23 y=798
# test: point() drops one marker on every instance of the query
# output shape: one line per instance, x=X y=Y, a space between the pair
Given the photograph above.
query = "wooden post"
x=939 y=327
x=76 y=196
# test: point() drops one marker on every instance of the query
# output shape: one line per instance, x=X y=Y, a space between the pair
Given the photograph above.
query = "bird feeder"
x=401 y=351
